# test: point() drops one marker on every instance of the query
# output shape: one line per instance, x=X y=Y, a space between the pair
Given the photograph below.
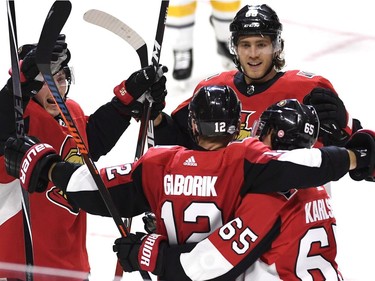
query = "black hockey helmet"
x=256 y=20
x=294 y=125
x=216 y=110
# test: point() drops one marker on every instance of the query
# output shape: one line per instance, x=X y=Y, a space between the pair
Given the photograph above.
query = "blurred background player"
x=181 y=22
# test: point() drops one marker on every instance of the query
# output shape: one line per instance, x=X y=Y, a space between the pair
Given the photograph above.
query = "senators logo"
x=57 y=197
x=246 y=127
x=244 y=133
x=72 y=154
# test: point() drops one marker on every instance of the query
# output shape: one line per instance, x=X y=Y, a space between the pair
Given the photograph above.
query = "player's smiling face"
x=255 y=54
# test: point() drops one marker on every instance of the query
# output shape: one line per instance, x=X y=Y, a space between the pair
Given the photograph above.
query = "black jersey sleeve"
x=104 y=128
x=167 y=132
x=127 y=197
x=173 y=130
x=7 y=117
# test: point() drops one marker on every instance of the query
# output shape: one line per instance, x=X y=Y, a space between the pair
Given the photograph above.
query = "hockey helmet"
x=256 y=20
x=30 y=51
x=216 y=110
x=294 y=125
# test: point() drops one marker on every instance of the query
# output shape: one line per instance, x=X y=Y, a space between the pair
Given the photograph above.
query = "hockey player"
x=259 y=81
x=292 y=232
x=192 y=192
x=257 y=46
x=181 y=24
x=58 y=227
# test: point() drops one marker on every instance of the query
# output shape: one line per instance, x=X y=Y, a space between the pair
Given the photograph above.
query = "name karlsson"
x=318 y=210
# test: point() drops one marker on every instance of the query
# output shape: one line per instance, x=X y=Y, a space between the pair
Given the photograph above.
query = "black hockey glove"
x=29 y=160
x=362 y=143
x=31 y=80
x=141 y=252
x=332 y=116
x=158 y=94
x=129 y=93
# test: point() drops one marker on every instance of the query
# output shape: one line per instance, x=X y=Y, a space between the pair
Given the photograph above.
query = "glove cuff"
x=122 y=94
x=45 y=165
x=363 y=146
x=363 y=160
x=29 y=162
x=149 y=252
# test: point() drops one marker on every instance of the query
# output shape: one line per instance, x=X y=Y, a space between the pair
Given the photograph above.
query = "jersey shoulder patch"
x=306 y=74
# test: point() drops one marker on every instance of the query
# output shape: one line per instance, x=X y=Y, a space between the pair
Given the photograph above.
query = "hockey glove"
x=158 y=94
x=140 y=252
x=29 y=160
x=362 y=143
x=31 y=79
x=129 y=100
x=332 y=116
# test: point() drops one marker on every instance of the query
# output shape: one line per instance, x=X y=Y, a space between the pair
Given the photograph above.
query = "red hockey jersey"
x=58 y=228
x=303 y=248
x=292 y=84
x=192 y=192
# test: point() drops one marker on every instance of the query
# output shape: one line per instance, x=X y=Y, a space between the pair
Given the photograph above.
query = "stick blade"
x=121 y=29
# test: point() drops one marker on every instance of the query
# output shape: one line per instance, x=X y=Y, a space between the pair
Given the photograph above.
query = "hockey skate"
x=226 y=56
x=183 y=64
x=223 y=50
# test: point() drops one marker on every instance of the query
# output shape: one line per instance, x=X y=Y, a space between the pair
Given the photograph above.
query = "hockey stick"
x=20 y=131
x=129 y=35
x=53 y=25
x=147 y=125
x=125 y=32
x=121 y=29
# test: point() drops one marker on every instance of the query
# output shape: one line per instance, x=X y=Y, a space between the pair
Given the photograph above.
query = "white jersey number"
x=306 y=262
x=191 y=214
